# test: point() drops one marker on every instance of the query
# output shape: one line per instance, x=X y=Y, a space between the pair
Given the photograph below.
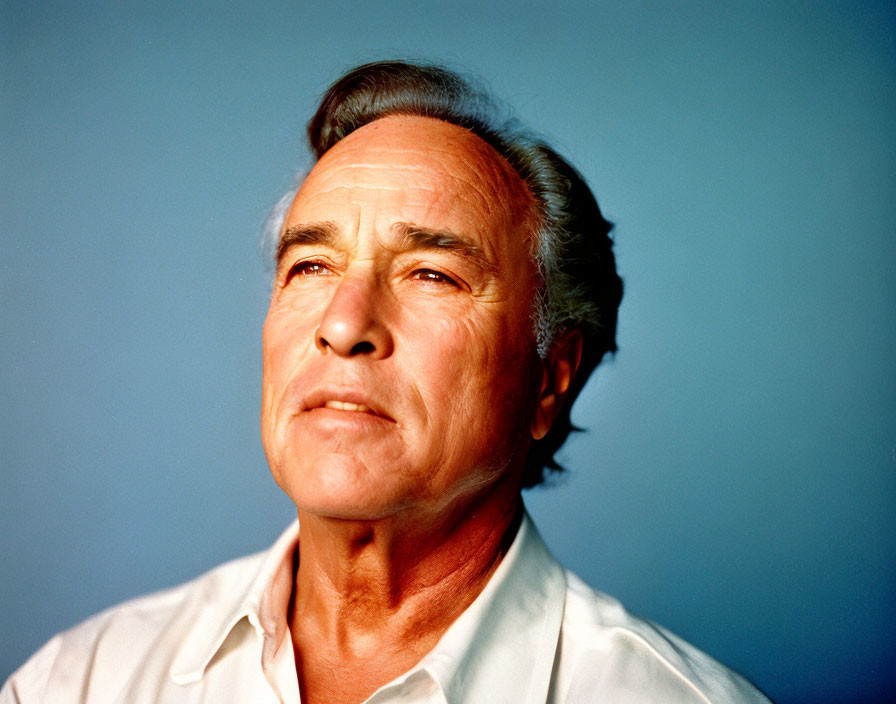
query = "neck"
x=375 y=596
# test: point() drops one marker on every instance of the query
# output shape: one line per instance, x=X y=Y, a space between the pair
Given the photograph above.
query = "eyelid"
x=449 y=279
x=297 y=266
x=304 y=251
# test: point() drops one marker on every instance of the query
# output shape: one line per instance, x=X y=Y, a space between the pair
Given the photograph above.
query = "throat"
x=362 y=613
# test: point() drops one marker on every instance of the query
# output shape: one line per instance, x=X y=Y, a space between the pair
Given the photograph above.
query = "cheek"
x=273 y=351
x=286 y=332
x=472 y=366
x=284 y=341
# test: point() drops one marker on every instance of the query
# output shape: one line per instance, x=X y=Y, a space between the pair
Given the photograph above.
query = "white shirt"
x=536 y=634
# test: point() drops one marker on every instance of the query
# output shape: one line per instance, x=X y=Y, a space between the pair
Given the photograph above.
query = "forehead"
x=421 y=169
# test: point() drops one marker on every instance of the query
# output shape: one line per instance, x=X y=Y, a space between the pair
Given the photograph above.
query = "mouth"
x=346 y=401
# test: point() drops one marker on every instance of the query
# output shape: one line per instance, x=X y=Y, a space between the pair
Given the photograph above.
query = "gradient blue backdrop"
x=738 y=479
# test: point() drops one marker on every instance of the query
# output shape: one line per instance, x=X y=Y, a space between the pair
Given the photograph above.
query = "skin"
x=401 y=390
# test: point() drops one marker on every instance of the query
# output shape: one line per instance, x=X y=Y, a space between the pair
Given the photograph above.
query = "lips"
x=346 y=400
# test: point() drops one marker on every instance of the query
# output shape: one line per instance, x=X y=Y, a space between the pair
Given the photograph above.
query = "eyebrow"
x=321 y=233
x=416 y=237
x=409 y=236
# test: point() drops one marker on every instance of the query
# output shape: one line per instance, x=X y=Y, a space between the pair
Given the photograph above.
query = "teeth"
x=345 y=406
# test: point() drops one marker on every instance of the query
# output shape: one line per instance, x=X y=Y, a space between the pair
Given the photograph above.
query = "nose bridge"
x=352 y=322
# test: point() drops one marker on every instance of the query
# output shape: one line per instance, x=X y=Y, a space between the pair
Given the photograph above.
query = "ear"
x=557 y=371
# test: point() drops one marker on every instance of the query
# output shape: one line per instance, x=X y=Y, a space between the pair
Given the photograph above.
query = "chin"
x=342 y=488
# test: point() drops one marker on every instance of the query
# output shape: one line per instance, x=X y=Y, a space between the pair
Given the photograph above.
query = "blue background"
x=738 y=479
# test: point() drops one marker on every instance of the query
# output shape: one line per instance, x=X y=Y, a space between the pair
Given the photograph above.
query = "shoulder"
x=609 y=654
x=104 y=651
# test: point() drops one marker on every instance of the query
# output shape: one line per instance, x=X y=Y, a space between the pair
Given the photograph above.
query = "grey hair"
x=272 y=227
x=561 y=303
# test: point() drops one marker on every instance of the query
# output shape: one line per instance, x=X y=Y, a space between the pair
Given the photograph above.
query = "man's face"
x=400 y=370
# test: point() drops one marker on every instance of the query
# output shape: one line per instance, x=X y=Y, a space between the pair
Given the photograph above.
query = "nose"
x=352 y=324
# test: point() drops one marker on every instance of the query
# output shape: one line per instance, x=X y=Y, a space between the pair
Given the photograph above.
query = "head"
x=566 y=284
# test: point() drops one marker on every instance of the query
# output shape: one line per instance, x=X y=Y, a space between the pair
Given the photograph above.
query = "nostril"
x=363 y=347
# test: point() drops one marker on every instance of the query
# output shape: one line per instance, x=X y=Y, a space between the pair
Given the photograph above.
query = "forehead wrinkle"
x=370 y=177
x=429 y=197
x=465 y=160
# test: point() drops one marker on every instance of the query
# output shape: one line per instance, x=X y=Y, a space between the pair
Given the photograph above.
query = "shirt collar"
x=500 y=649
x=263 y=599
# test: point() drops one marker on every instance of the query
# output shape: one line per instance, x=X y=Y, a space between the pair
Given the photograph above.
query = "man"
x=444 y=286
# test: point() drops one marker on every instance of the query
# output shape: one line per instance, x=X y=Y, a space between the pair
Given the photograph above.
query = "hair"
x=572 y=247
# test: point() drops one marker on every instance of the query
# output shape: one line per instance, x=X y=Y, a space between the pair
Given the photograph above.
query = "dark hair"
x=572 y=248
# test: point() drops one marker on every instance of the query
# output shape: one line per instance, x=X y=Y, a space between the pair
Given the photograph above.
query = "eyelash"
x=315 y=267
x=311 y=267
x=432 y=276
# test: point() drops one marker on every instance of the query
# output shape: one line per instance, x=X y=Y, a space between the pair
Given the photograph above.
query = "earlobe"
x=557 y=372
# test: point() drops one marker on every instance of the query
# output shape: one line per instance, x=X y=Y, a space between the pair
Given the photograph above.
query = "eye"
x=308 y=267
x=429 y=276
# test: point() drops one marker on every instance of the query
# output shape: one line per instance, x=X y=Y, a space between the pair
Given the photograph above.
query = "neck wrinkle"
x=365 y=589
